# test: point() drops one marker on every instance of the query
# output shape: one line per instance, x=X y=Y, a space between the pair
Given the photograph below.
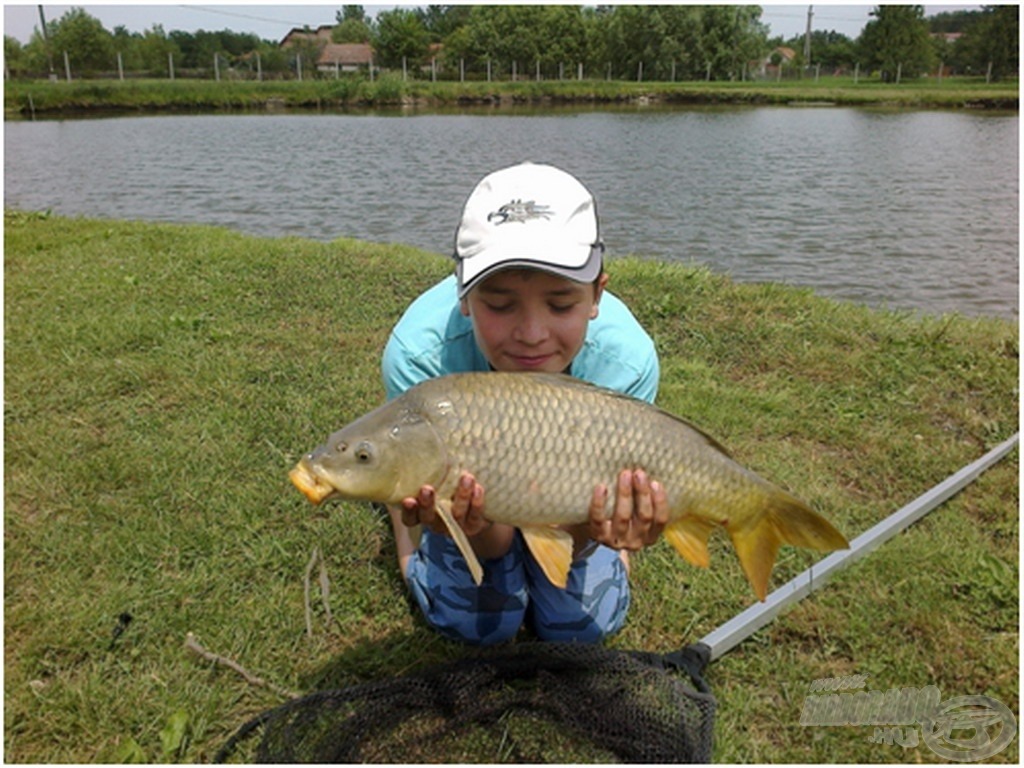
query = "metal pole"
x=722 y=640
x=120 y=67
x=67 y=67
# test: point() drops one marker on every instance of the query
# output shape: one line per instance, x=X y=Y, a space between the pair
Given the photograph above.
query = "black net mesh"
x=526 y=703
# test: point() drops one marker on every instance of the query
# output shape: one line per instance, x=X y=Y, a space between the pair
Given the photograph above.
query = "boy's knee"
x=459 y=610
x=592 y=608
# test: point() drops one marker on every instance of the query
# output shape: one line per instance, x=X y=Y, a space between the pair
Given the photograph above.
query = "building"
x=344 y=57
x=332 y=57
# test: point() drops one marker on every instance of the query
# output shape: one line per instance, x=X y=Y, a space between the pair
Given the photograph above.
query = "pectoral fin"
x=552 y=549
x=689 y=535
x=444 y=511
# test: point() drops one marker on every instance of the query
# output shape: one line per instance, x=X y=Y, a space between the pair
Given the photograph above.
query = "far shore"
x=44 y=98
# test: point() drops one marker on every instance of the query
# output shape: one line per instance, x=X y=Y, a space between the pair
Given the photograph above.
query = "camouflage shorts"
x=515 y=592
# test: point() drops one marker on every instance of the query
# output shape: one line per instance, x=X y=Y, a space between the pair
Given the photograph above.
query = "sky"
x=273 y=21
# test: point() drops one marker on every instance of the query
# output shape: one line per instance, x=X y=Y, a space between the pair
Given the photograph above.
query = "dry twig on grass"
x=193 y=645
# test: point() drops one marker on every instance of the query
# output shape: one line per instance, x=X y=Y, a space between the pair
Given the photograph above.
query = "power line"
x=247 y=16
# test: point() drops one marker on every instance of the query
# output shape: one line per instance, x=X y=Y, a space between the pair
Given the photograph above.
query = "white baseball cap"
x=529 y=215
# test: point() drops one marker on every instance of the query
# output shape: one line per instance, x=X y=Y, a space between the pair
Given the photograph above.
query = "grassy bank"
x=161 y=380
x=42 y=97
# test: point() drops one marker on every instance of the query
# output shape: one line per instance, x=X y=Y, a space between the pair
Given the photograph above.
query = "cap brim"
x=468 y=279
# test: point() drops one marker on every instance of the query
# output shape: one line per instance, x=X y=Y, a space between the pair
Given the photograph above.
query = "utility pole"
x=807 y=37
x=46 y=43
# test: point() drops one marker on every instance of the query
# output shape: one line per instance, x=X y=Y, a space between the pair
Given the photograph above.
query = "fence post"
x=298 y=66
x=67 y=67
x=899 y=72
x=537 y=78
x=579 y=71
x=856 y=73
x=371 y=68
x=488 y=70
x=433 y=69
x=462 y=70
x=709 y=71
x=259 y=67
x=216 y=67
x=405 y=70
x=120 y=67
x=640 y=71
x=673 y=70
x=988 y=74
x=170 y=64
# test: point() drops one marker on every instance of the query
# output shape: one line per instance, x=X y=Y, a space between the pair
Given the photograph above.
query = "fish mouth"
x=312 y=487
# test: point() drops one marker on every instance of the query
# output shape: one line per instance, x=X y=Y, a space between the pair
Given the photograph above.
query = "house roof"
x=323 y=32
x=346 y=53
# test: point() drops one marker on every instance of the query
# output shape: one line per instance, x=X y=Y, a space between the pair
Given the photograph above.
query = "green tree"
x=400 y=34
x=992 y=38
x=897 y=42
x=634 y=34
x=951 y=21
x=563 y=39
x=442 y=20
x=14 y=56
x=126 y=43
x=353 y=25
x=832 y=50
x=154 y=48
x=730 y=37
x=89 y=46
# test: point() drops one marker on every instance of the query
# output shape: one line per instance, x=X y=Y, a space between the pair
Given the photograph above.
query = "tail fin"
x=785 y=520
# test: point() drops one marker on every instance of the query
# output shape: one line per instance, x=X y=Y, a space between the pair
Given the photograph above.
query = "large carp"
x=538 y=444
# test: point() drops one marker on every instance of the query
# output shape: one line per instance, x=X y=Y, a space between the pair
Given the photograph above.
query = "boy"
x=528 y=294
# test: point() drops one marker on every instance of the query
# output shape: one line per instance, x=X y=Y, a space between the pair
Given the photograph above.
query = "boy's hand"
x=639 y=515
x=467 y=508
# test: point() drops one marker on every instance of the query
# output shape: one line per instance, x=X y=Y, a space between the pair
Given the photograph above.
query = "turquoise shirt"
x=433 y=338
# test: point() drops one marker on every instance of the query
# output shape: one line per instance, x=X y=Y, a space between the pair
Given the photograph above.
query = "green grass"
x=161 y=381
x=21 y=97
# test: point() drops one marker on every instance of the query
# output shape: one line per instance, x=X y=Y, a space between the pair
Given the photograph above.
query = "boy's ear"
x=599 y=286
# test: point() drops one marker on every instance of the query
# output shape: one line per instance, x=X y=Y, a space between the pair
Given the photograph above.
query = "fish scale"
x=539 y=444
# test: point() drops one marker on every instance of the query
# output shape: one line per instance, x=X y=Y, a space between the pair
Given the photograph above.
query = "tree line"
x=651 y=42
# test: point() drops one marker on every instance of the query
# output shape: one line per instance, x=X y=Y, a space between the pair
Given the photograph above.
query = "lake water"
x=904 y=209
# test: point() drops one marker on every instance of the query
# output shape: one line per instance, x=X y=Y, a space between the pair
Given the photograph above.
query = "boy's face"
x=528 y=320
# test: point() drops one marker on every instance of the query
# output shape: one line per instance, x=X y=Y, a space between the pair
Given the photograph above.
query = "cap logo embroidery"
x=518 y=211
